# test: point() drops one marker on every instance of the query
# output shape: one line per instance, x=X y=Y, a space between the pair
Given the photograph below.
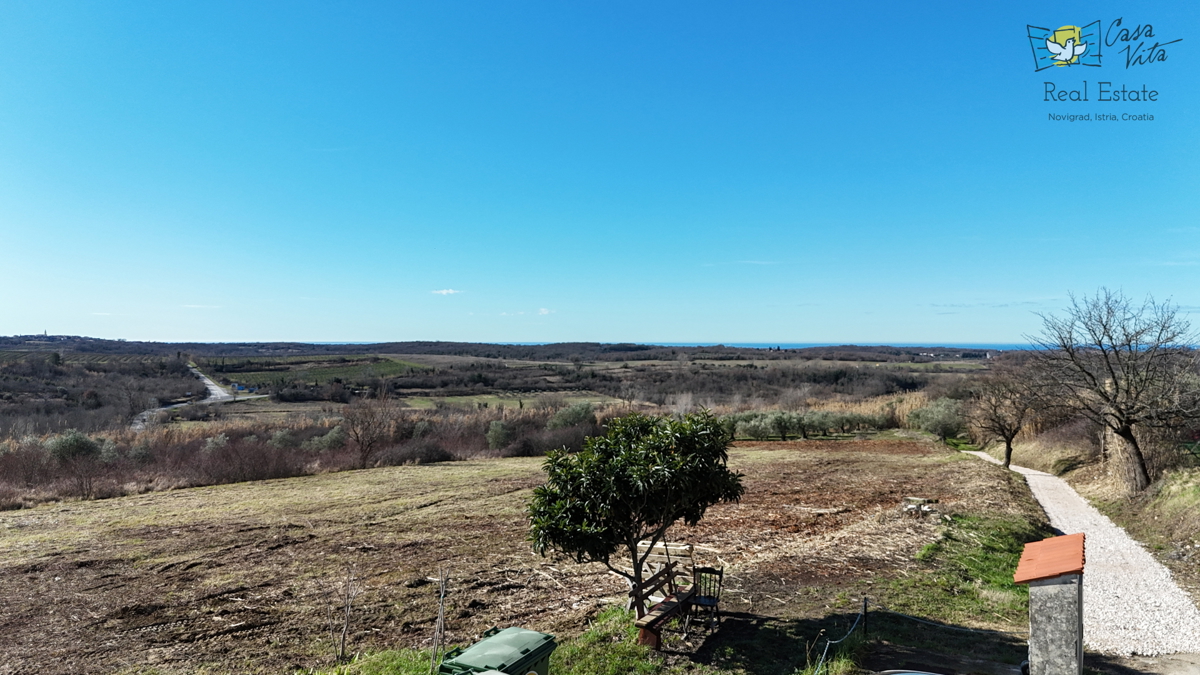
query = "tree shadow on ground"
x=765 y=645
x=758 y=645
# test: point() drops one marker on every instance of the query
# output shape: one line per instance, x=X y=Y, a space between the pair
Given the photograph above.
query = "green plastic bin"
x=515 y=651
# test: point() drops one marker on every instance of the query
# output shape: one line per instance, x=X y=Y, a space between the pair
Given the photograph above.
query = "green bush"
x=334 y=439
x=758 y=428
x=942 y=418
x=284 y=439
x=216 y=442
x=498 y=435
x=572 y=416
x=73 y=445
x=784 y=423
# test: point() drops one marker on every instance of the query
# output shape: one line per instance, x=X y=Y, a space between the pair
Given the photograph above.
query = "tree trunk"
x=1138 y=475
x=1007 y=452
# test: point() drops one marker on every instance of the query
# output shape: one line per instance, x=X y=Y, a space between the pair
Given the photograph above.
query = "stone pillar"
x=1053 y=568
x=1056 y=625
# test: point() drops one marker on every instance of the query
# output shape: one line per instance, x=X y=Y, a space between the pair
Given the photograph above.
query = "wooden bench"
x=652 y=617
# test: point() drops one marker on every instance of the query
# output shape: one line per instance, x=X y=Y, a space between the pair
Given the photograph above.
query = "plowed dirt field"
x=242 y=578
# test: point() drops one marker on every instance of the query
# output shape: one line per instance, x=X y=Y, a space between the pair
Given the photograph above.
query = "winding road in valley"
x=215 y=395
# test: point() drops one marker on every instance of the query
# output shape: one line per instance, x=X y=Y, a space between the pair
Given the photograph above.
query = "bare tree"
x=1003 y=404
x=369 y=423
x=1126 y=367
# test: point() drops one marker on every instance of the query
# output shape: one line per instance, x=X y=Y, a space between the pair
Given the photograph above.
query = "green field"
x=317 y=370
x=514 y=400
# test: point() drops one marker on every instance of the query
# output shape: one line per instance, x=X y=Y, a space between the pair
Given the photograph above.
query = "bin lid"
x=500 y=649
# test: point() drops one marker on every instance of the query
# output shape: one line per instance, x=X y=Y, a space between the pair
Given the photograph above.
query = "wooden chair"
x=706 y=594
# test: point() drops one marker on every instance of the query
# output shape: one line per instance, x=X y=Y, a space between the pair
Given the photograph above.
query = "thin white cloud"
x=992 y=305
x=101 y=313
x=201 y=306
x=742 y=262
x=543 y=311
x=446 y=291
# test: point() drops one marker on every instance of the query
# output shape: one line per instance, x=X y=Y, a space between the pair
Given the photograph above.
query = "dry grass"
x=236 y=578
x=900 y=404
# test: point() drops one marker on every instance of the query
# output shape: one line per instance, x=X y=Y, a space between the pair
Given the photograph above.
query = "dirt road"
x=215 y=395
x=1130 y=603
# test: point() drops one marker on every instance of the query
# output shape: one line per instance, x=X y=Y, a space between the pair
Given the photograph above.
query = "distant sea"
x=993 y=346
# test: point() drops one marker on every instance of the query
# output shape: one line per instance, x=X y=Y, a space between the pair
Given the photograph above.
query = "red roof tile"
x=1050 y=558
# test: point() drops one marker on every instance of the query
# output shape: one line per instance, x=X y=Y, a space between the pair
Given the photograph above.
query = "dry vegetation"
x=239 y=578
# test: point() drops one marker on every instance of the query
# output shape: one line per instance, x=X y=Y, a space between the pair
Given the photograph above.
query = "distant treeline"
x=563 y=351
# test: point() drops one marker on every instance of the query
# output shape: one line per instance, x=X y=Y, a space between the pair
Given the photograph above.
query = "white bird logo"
x=1068 y=52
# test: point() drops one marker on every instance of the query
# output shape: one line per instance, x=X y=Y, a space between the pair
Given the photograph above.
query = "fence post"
x=864 y=613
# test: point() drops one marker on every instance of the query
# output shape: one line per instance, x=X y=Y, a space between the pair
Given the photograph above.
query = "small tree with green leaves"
x=942 y=418
x=759 y=428
x=572 y=416
x=631 y=485
x=498 y=435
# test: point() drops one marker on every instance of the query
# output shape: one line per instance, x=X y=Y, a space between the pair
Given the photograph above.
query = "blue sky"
x=652 y=172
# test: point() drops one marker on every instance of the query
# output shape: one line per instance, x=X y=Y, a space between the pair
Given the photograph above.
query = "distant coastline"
x=994 y=346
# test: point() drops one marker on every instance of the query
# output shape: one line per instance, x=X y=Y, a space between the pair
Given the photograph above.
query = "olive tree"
x=1126 y=366
x=631 y=485
x=942 y=418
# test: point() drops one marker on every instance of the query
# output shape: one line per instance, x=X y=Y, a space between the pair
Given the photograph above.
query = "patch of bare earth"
x=242 y=578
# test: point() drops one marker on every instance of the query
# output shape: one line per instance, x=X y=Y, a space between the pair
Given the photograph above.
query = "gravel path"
x=1130 y=603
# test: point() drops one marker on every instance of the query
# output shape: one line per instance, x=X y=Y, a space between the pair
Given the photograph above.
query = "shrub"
x=498 y=435
x=572 y=416
x=759 y=428
x=284 y=439
x=783 y=423
x=416 y=452
x=538 y=443
x=216 y=442
x=73 y=446
x=943 y=418
x=236 y=462
x=334 y=439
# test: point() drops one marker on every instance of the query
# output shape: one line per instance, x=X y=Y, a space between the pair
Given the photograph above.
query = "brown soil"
x=242 y=578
